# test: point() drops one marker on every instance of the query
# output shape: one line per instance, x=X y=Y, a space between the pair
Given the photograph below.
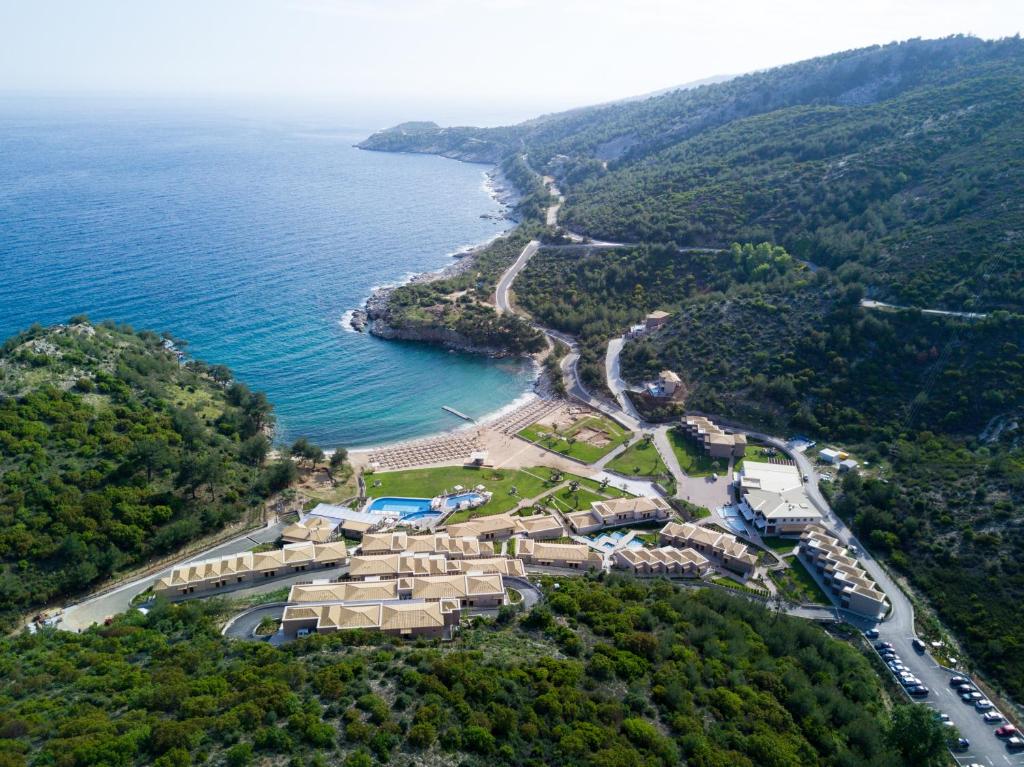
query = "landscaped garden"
x=641 y=459
x=427 y=483
x=692 y=458
x=798 y=585
x=589 y=439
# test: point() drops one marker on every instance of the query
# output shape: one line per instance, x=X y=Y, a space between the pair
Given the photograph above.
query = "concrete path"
x=613 y=373
x=867 y=303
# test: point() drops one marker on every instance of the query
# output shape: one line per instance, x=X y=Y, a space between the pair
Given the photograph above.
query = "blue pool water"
x=420 y=516
x=251 y=237
x=404 y=507
x=453 y=501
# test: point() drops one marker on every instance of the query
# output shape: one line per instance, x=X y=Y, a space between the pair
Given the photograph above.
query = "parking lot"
x=985 y=748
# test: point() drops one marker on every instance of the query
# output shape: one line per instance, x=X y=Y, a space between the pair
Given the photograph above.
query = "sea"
x=252 y=237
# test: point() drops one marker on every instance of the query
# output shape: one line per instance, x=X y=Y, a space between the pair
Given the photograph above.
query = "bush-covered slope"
x=111 y=452
x=612 y=674
x=906 y=159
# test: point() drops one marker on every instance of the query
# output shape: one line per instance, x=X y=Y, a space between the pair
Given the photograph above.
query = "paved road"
x=505 y=282
x=96 y=609
x=867 y=303
x=613 y=373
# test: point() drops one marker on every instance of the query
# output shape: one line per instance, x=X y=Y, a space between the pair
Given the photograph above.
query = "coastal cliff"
x=453 y=308
x=483 y=145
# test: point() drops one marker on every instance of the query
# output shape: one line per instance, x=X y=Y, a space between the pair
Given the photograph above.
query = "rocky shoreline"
x=373 y=316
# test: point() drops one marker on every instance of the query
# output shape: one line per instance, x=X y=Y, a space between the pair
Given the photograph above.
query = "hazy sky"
x=450 y=60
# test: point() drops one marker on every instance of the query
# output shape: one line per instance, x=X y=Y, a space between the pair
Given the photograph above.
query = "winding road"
x=897 y=627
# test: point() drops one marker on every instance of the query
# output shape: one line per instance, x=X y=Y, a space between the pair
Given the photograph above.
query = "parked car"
x=971 y=697
x=965 y=688
x=1016 y=743
x=958 y=680
x=992 y=717
x=983 y=705
x=1006 y=731
x=918 y=691
x=896 y=666
x=962 y=744
x=871 y=633
x=919 y=646
x=883 y=646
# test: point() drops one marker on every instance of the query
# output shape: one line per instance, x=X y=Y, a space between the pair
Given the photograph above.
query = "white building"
x=773 y=498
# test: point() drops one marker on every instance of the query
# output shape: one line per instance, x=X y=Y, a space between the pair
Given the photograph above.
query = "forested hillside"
x=611 y=674
x=111 y=452
x=893 y=172
x=905 y=159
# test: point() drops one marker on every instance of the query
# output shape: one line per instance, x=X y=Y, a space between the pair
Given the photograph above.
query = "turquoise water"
x=402 y=506
x=250 y=238
x=454 y=501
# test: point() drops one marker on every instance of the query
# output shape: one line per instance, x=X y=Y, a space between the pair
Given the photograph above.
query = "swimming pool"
x=455 y=501
x=401 y=506
x=733 y=520
x=420 y=516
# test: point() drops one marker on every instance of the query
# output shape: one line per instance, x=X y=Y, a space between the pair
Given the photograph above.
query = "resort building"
x=715 y=441
x=435 y=543
x=666 y=385
x=773 y=498
x=345 y=520
x=482 y=591
x=720 y=547
x=619 y=511
x=224 y=572
x=406 y=618
x=344 y=591
x=656 y=319
x=399 y=565
x=848 y=464
x=494 y=527
x=575 y=556
x=539 y=526
x=314 y=529
x=841 y=572
x=419 y=565
x=666 y=560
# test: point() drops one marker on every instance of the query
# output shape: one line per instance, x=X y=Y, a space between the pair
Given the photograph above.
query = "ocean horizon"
x=251 y=238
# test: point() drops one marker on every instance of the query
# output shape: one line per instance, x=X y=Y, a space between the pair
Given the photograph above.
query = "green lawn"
x=781 y=545
x=564 y=441
x=640 y=459
x=566 y=501
x=799 y=585
x=692 y=458
x=753 y=453
x=426 y=483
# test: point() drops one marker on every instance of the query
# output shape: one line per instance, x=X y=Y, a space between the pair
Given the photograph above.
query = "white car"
x=983 y=705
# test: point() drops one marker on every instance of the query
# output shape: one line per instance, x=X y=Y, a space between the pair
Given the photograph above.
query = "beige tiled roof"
x=346 y=591
x=435 y=543
x=726 y=545
x=398 y=616
x=490 y=565
x=562 y=552
x=537 y=523
x=315 y=529
x=480 y=526
x=350 y=616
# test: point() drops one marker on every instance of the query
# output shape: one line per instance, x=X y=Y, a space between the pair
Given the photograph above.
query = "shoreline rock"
x=372 y=317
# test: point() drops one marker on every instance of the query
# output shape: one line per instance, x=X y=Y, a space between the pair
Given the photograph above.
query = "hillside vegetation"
x=611 y=674
x=111 y=452
x=893 y=172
